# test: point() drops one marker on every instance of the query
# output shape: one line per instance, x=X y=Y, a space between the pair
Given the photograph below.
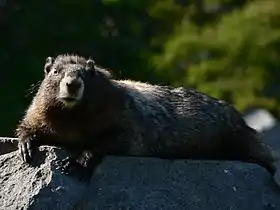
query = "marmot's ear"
x=90 y=65
x=48 y=65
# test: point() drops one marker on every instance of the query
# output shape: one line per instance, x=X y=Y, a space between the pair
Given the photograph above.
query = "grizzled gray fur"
x=81 y=107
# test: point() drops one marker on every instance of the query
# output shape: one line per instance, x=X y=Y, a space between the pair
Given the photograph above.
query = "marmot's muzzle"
x=73 y=86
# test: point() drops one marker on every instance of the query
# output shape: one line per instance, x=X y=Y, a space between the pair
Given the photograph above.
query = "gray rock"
x=8 y=145
x=40 y=186
x=131 y=183
x=260 y=119
x=135 y=184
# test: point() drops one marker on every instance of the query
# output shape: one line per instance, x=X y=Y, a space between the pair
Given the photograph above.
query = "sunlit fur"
x=50 y=113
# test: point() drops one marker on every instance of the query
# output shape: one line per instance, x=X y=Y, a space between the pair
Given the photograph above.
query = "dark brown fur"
x=136 y=119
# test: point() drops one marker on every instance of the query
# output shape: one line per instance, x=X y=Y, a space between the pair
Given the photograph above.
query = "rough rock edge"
x=115 y=184
x=40 y=185
x=8 y=145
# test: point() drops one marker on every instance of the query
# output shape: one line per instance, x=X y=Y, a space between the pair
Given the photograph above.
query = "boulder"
x=135 y=184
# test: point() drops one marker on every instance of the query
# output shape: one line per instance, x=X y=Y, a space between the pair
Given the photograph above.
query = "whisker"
x=32 y=89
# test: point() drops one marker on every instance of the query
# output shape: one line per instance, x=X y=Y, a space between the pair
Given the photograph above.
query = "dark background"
x=229 y=49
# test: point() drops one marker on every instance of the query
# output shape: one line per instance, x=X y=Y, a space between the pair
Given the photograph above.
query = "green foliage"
x=235 y=57
x=227 y=48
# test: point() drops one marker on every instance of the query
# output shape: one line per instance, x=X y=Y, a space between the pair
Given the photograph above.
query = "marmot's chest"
x=73 y=131
x=80 y=127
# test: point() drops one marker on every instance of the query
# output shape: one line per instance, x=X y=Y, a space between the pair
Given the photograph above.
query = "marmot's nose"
x=73 y=85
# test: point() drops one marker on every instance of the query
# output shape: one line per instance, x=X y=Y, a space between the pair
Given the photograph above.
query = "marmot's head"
x=66 y=79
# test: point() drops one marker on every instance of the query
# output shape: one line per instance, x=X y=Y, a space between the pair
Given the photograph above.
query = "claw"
x=29 y=148
x=20 y=151
x=25 y=150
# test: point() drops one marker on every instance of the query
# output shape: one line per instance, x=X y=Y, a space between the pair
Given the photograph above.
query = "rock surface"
x=7 y=145
x=37 y=187
x=136 y=184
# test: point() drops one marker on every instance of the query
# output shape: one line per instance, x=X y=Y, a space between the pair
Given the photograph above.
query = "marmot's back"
x=179 y=112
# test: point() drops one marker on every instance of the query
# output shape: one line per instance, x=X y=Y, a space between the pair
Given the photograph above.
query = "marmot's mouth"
x=69 y=99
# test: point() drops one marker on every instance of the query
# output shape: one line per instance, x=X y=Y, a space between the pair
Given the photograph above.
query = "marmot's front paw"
x=64 y=165
x=26 y=149
x=71 y=167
